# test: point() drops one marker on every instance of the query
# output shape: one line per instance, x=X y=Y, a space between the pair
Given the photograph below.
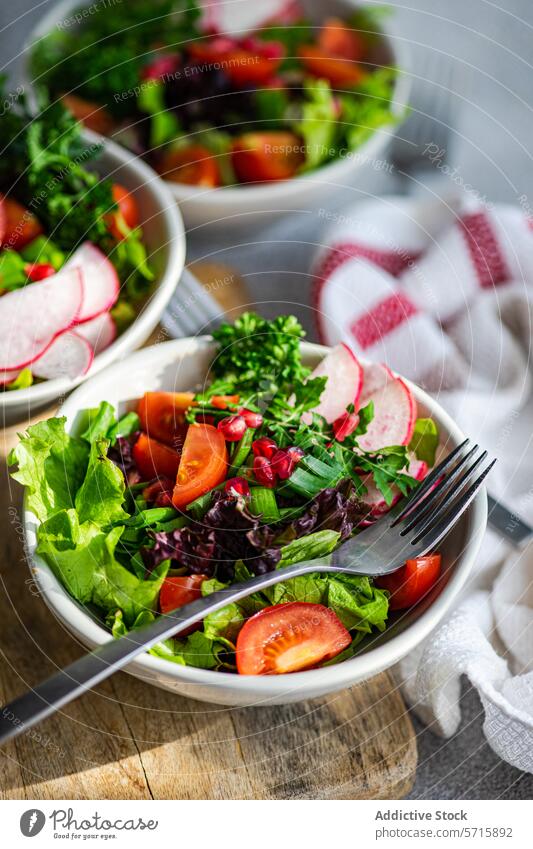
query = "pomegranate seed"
x=264 y=473
x=283 y=464
x=264 y=447
x=252 y=419
x=345 y=425
x=39 y=271
x=237 y=487
x=232 y=428
x=272 y=50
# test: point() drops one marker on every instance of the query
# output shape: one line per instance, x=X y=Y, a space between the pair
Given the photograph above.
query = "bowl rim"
x=360 y=667
x=222 y=195
x=165 y=283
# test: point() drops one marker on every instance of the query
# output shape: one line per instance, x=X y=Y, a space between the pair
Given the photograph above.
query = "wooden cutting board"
x=129 y=740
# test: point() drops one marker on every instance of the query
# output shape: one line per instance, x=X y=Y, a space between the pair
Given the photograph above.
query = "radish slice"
x=31 y=318
x=69 y=355
x=375 y=376
x=101 y=285
x=345 y=380
x=100 y=332
x=394 y=417
x=8 y=376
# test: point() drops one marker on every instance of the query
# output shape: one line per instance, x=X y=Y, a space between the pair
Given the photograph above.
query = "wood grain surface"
x=129 y=740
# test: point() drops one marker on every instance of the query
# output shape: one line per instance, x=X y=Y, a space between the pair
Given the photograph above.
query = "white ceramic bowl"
x=251 y=206
x=183 y=364
x=164 y=237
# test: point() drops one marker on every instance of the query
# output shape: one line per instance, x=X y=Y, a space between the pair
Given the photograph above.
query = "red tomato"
x=162 y=415
x=175 y=592
x=336 y=39
x=411 y=582
x=203 y=465
x=288 y=638
x=153 y=459
x=261 y=157
x=127 y=212
x=93 y=116
x=221 y=402
x=193 y=165
x=338 y=72
x=18 y=226
x=255 y=64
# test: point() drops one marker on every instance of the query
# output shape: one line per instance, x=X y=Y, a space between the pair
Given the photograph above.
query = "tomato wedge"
x=411 y=582
x=175 y=592
x=264 y=157
x=193 y=165
x=92 y=116
x=127 y=213
x=242 y=66
x=153 y=459
x=162 y=415
x=336 y=39
x=288 y=638
x=203 y=464
x=338 y=72
x=19 y=226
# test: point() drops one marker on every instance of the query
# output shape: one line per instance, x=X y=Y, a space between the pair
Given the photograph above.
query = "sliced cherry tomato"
x=244 y=67
x=93 y=116
x=336 y=39
x=160 y=486
x=221 y=402
x=193 y=165
x=411 y=582
x=154 y=459
x=338 y=72
x=18 y=226
x=288 y=638
x=162 y=415
x=175 y=592
x=261 y=157
x=127 y=213
x=203 y=465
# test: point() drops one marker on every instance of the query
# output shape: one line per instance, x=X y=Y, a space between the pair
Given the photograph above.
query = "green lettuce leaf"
x=82 y=557
x=425 y=440
x=318 y=125
x=51 y=465
x=358 y=604
x=101 y=495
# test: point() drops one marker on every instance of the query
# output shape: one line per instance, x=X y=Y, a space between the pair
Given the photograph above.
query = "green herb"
x=23 y=380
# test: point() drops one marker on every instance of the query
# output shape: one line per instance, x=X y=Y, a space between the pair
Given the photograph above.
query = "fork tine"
x=428 y=482
x=448 y=518
x=434 y=500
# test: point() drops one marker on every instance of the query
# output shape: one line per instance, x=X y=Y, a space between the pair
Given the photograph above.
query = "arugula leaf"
x=51 y=465
x=425 y=441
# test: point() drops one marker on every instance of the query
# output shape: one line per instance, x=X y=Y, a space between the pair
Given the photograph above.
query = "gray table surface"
x=491 y=47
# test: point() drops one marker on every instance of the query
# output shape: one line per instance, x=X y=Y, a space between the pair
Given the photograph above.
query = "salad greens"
x=197 y=102
x=115 y=539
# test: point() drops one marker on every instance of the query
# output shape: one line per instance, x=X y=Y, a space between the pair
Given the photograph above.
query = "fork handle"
x=46 y=698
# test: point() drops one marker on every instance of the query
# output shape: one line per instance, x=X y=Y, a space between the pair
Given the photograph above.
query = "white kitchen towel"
x=445 y=296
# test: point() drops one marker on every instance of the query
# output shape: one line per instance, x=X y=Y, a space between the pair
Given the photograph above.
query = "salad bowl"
x=184 y=364
x=164 y=238
x=253 y=204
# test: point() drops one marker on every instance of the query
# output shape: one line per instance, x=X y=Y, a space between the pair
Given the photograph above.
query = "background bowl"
x=164 y=237
x=183 y=364
x=250 y=206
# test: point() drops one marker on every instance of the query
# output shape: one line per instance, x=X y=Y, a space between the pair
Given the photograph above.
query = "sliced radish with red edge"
x=31 y=318
x=101 y=286
x=344 y=383
x=69 y=355
x=394 y=417
x=100 y=332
